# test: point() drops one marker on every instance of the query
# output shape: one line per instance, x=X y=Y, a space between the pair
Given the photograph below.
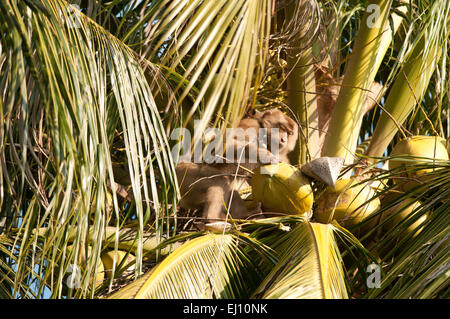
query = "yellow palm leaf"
x=201 y=268
x=310 y=268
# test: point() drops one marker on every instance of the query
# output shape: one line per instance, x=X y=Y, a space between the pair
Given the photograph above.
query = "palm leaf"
x=412 y=81
x=370 y=45
x=71 y=88
x=219 y=47
x=310 y=267
x=210 y=266
x=416 y=261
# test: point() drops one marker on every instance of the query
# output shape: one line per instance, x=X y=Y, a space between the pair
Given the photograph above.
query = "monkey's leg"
x=218 y=198
x=203 y=186
x=215 y=201
x=238 y=209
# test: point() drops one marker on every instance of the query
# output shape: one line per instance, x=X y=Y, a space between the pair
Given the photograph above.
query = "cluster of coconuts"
x=283 y=188
x=349 y=202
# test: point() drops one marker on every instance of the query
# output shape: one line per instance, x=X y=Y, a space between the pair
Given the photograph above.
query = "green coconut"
x=429 y=148
x=282 y=188
x=108 y=261
x=348 y=203
x=402 y=212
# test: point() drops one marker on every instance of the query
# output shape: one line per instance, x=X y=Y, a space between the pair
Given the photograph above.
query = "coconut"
x=108 y=261
x=401 y=212
x=282 y=188
x=346 y=203
x=429 y=148
x=445 y=143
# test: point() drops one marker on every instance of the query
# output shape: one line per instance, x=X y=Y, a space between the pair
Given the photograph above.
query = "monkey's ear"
x=253 y=112
x=262 y=115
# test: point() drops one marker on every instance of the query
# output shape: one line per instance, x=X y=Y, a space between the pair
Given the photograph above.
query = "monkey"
x=246 y=140
x=287 y=131
x=206 y=187
x=212 y=187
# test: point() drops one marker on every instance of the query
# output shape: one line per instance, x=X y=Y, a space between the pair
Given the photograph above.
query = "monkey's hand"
x=266 y=157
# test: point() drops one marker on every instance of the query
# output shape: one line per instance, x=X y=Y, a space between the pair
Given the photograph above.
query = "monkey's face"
x=286 y=128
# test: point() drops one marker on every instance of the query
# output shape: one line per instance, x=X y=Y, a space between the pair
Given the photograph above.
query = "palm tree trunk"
x=301 y=94
x=407 y=91
x=371 y=43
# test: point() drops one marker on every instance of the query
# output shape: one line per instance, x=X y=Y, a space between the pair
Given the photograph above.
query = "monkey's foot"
x=257 y=213
x=258 y=209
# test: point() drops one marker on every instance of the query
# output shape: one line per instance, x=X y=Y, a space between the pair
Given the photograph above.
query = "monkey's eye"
x=288 y=130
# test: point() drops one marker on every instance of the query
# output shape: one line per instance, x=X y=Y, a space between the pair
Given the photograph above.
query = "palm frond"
x=210 y=266
x=219 y=48
x=68 y=89
x=310 y=267
x=370 y=45
x=413 y=254
x=417 y=65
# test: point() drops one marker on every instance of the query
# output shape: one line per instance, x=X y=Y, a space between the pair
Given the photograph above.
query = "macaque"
x=287 y=131
x=206 y=187
x=211 y=186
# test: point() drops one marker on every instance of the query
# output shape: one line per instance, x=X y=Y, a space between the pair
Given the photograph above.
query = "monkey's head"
x=287 y=129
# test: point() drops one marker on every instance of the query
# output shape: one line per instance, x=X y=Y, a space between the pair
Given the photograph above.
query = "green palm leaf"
x=70 y=89
x=415 y=260
x=218 y=47
x=210 y=266
x=411 y=83
x=310 y=267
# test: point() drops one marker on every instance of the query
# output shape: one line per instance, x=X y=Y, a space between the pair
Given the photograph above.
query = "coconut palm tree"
x=91 y=92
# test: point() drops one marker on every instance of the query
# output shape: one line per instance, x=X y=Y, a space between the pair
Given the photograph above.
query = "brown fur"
x=287 y=130
x=210 y=186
